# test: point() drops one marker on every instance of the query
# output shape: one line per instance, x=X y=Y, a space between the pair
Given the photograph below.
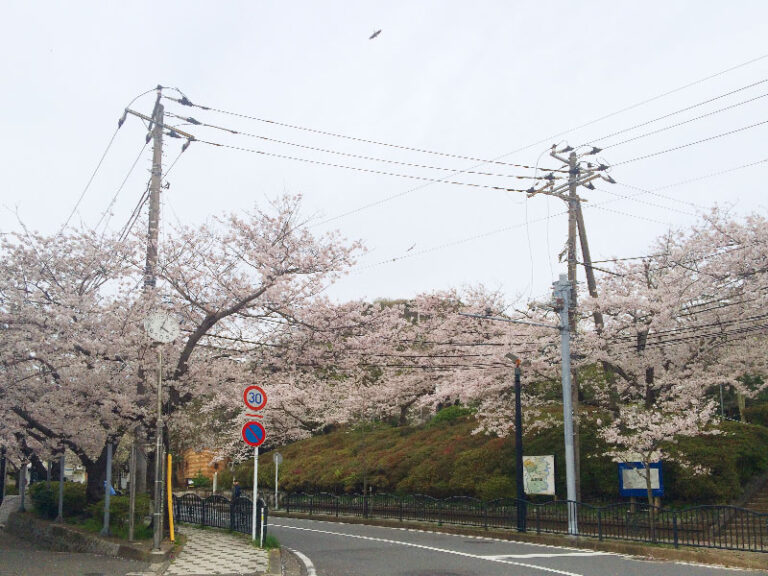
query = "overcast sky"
x=494 y=79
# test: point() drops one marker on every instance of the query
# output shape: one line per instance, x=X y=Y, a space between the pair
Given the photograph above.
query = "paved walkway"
x=211 y=551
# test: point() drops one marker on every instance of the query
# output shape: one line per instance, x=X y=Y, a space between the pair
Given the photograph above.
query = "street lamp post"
x=521 y=504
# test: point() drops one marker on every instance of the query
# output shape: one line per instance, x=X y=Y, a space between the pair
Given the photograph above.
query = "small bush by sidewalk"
x=45 y=499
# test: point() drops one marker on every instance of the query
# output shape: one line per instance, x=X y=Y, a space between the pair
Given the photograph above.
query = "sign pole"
x=277 y=465
x=255 y=490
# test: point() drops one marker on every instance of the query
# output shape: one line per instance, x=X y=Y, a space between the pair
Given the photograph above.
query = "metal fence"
x=726 y=527
x=220 y=512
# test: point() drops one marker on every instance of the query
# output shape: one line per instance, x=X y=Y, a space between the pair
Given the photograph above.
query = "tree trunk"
x=97 y=475
x=140 y=439
x=38 y=472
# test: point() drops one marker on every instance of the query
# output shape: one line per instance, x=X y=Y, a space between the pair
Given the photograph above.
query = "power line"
x=633 y=199
x=702 y=116
x=715 y=137
x=90 y=180
x=692 y=328
x=120 y=188
x=641 y=103
x=622 y=213
x=186 y=102
x=357 y=169
x=359 y=156
x=680 y=111
x=746 y=330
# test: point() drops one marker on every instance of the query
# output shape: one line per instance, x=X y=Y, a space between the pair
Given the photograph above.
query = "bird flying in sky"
x=376 y=33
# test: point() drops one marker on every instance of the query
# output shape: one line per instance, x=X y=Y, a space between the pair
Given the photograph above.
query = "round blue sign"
x=254 y=433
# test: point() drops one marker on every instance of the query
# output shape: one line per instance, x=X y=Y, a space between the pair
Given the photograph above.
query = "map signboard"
x=539 y=475
x=632 y=479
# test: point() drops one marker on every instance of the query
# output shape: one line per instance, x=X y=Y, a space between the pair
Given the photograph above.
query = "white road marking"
x=464 y=536
x=564 y=555
x=307 y=562
x=498 y=559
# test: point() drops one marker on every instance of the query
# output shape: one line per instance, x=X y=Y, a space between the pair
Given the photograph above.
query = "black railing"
x=725 y=527
x=220 y=512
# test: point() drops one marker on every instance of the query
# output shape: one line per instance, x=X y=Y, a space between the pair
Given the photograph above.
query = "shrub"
x=119 y=510
x=496 y=487
x=201 y=481
x=45 y=497
x=757 y=414
x=450 y=414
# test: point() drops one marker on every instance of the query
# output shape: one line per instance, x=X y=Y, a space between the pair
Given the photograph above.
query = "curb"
x=708 y=556
x=294 y=563
x=63 y=538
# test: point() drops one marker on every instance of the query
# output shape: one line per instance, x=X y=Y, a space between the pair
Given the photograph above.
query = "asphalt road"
x=354 y=550
x=22 y=558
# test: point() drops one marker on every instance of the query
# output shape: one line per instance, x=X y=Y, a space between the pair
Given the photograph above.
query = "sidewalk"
x=211 y=551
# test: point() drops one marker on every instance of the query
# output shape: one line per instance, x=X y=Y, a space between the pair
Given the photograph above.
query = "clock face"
x=162 y=327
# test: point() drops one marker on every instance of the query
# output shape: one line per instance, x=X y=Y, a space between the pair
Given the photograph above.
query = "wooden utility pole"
x=587 y=259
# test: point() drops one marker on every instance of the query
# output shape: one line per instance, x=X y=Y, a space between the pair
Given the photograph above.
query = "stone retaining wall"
x=62 y=538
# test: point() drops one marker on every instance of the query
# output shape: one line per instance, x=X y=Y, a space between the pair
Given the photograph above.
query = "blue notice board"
x=632 y=479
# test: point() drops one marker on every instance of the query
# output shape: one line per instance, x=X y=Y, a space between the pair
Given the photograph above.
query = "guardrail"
x=220 y=512
x=726 y=527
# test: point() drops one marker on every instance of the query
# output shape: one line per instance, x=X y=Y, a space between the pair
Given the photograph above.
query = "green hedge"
x=757 y=414
x=45 y=498
x=119 y=510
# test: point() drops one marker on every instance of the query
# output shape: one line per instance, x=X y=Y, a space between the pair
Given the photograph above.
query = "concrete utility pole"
x=156 y=125
x=573 y=202
x=562 y=293
x=155 y=183
x=150 y=281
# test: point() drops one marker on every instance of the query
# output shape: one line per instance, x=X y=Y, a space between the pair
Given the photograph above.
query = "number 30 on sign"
x=255 y=398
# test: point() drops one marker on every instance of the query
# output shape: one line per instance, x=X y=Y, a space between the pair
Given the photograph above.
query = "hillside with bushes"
x=444 y=457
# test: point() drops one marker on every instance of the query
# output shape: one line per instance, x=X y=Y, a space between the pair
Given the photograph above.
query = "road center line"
x=498 y=559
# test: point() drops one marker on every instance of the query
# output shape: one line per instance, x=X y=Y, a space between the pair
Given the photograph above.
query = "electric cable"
x=680 y=147
x=359 y=156
x=90 y=180
x=676 y=331
x=187 y=102
x=676 y=112
x=119 y=189
x=677 y=125
x=357 y=169
x=645 y=202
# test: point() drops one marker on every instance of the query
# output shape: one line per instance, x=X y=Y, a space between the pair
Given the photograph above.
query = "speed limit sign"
x=255 y=398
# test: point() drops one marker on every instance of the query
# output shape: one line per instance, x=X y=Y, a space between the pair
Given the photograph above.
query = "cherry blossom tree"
x=674 y=325
x=78 y=368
